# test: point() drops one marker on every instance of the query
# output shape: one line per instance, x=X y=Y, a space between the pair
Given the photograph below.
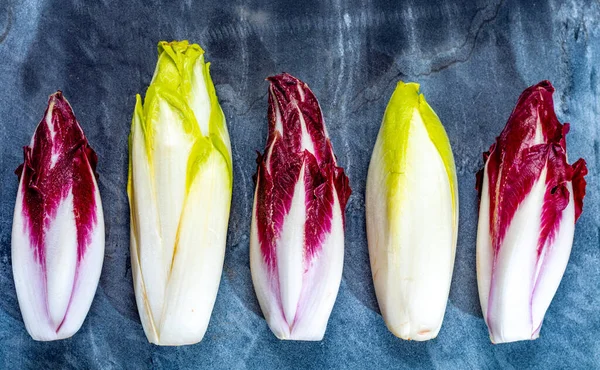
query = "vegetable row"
x=180 y=187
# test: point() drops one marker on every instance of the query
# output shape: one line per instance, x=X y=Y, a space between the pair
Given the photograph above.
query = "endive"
x=530 y=200
x=297 y=235
x=180 y=182
x=58 y=227
x=412 y=216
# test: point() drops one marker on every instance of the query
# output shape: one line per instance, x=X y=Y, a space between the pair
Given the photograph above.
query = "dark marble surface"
x=472 y=59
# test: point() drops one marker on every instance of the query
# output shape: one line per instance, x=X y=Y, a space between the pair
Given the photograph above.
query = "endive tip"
x=404 y=103
x=411 y=90
x=59 y=99
x=407 y=94
x=414 y=86
x=284 y=79
x=59 y=105
x=58 y=95
x=180 y=46
x=283 y=76
x=281 y=80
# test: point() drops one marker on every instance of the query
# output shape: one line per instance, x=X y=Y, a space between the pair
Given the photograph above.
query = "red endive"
x=297 y=239
x=58 y=227
x=530 y=200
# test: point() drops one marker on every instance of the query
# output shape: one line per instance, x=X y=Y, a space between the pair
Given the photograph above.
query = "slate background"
x=472 y=59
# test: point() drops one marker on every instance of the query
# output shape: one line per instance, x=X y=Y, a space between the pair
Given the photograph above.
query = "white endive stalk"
x=530 y=200
x=412 y=216
x=180 y=185
x=58 y=227
x=297 y=234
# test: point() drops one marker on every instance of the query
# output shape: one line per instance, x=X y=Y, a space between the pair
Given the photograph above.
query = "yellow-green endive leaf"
x=406 y=108
x=412 y=215
x=180 y=184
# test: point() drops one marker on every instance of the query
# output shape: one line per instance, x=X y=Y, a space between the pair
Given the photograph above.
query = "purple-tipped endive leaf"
x=58 y=227
x=530 y=200
x=297 y=236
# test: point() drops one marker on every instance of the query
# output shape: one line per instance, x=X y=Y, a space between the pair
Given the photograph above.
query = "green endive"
x=180 y=183
x=412 y=216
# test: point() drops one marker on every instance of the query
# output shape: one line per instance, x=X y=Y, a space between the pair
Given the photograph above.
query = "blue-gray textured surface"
x=472 y=60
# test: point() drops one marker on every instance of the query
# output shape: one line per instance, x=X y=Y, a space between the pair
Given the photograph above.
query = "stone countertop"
x=472 y=60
